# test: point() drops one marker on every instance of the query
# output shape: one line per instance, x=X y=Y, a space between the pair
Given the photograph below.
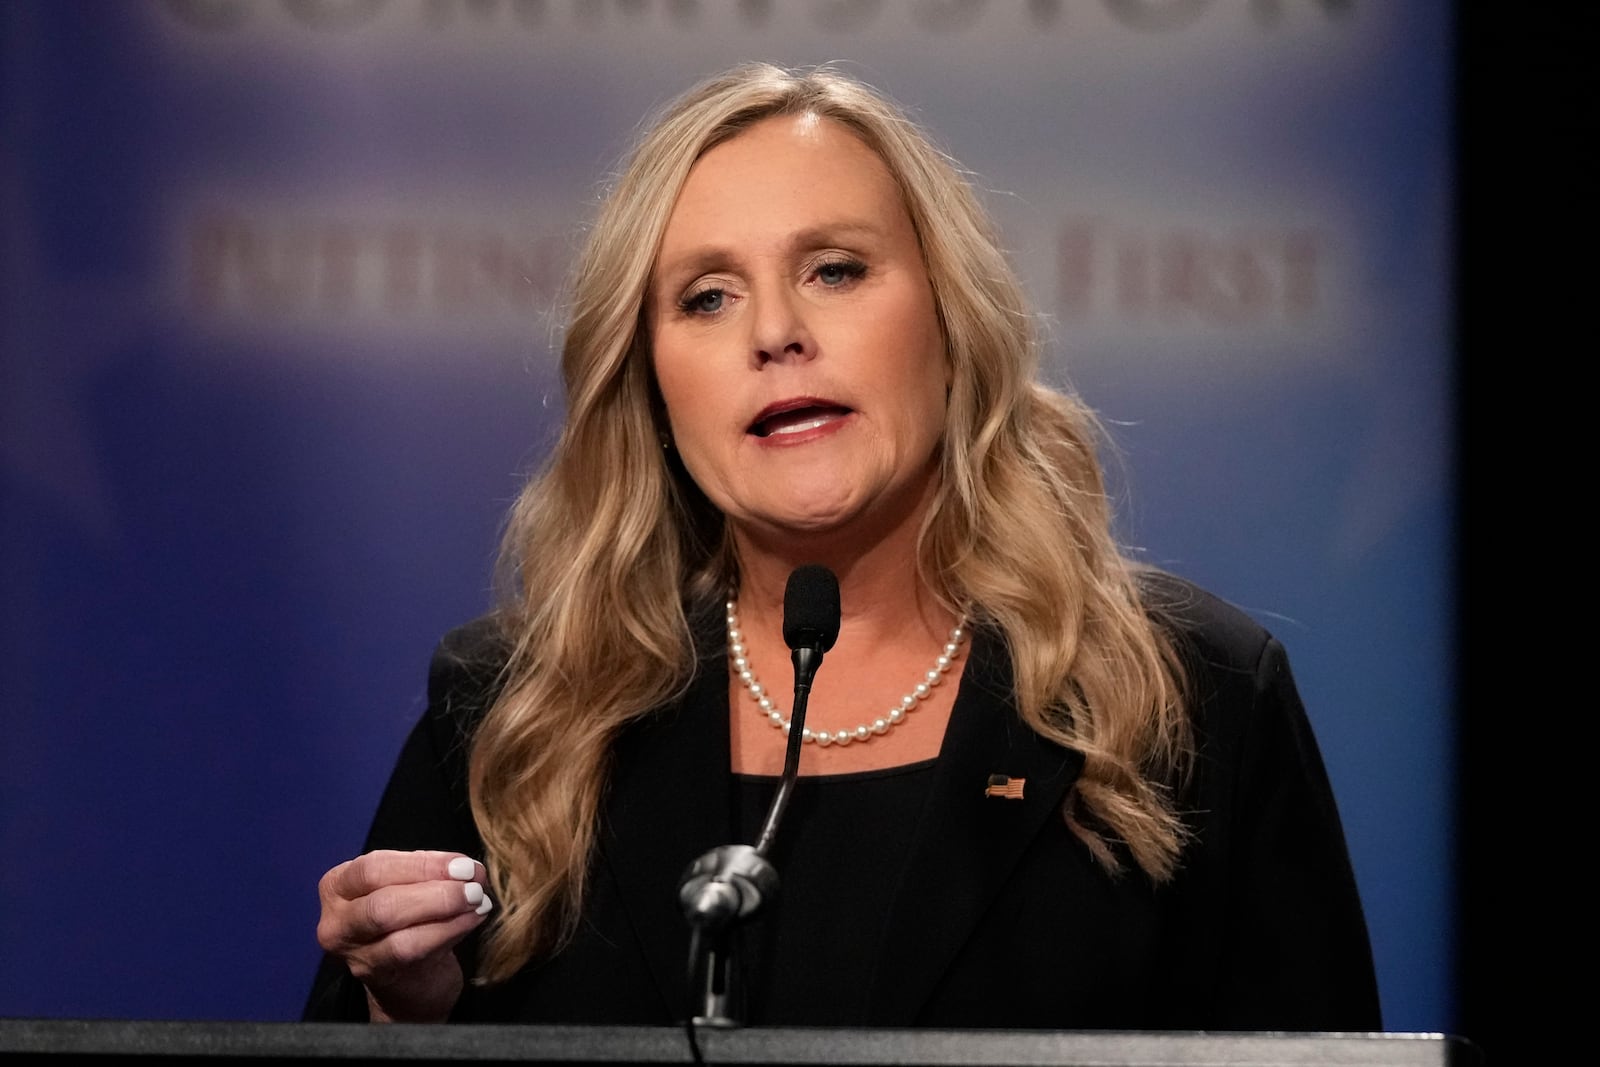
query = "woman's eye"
x=705 y=302
x=841 y=272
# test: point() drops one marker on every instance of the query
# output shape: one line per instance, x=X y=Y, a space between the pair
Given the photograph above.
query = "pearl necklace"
x=864 y=732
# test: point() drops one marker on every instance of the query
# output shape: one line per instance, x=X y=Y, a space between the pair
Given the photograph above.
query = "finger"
x=387 y=867
x=409 y=949
x=347 y=926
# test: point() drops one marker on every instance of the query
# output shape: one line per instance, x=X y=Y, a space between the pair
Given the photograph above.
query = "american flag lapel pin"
x=1002 y=786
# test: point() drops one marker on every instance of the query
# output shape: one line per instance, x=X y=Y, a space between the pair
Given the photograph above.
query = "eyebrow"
x=714 y=257
x=812 y=236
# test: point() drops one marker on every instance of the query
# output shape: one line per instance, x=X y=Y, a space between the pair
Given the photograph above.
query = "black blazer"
x=1002 y=919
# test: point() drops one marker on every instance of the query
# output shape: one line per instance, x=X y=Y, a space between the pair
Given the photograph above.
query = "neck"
x=878 y=583
x=874 y=558
x=881 y=596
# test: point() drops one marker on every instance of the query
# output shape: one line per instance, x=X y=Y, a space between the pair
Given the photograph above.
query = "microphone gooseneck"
x=811 y=617
x=732 y=882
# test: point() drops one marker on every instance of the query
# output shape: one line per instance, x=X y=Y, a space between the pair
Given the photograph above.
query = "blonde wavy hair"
x=608 y=551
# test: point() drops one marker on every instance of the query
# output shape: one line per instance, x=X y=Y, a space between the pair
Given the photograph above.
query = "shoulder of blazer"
x=466 y=673
x=469 y=664
x=1205 y=626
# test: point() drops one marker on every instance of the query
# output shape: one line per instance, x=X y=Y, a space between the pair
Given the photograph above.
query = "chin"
x=803 y=518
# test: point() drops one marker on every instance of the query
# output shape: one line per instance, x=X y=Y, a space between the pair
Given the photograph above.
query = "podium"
x=341 y=1044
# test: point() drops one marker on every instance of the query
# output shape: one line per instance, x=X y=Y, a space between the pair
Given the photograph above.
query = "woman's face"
x=795 y=338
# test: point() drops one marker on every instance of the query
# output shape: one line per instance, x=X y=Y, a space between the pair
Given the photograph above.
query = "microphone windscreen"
x=811 y=608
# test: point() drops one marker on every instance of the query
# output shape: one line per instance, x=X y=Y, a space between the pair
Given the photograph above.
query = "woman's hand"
x=395 y=919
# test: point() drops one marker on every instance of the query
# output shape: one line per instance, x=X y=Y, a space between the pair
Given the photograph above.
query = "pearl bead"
x=737 y=653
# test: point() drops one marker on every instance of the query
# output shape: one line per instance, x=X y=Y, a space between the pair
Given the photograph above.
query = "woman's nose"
x=779 y=331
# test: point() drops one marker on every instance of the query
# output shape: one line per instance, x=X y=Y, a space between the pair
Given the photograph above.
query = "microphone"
x=810 y=625
x=811 y=608
x=731 y=882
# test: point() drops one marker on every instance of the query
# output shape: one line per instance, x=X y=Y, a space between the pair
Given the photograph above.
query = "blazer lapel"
x=966 y=842
x=667 y=805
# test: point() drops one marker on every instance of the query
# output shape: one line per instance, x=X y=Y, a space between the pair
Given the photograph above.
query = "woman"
x=1047 y=787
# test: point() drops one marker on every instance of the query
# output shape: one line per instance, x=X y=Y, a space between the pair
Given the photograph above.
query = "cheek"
x=921 y=377
x=695 y=410
x=676 y=380
x=931 y=406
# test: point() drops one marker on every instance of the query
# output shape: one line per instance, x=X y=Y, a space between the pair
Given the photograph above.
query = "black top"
x=809 y=956
x=992 y=913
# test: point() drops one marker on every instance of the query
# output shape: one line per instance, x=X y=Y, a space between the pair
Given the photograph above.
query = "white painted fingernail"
x=474 y=893
x=486 y=907
x=463 y=868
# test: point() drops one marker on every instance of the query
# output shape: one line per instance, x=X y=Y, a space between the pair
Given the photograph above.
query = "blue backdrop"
x=280 y=291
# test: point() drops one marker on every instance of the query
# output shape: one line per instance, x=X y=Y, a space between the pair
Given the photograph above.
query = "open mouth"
x=796 y=419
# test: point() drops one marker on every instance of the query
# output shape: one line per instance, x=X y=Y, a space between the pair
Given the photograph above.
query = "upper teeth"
x=795 y=427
